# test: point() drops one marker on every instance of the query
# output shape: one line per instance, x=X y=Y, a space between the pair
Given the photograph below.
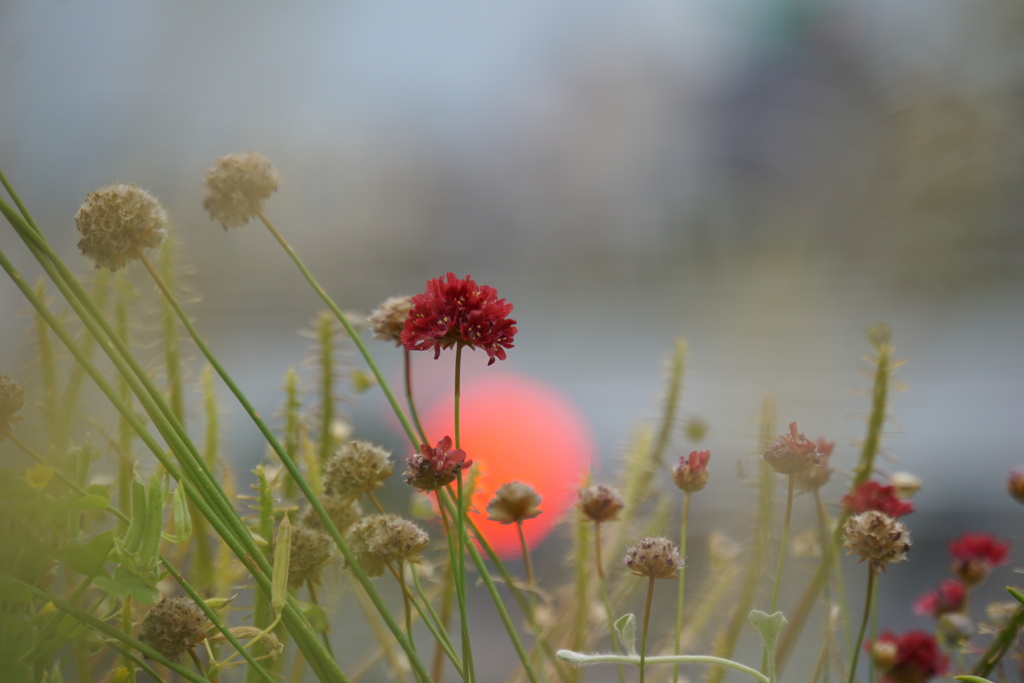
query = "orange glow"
x=516 y=428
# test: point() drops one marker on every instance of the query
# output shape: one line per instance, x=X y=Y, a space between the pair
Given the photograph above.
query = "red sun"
x=516 y=428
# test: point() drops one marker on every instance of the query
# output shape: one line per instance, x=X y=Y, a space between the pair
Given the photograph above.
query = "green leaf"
x=1017 y=595
x=83 y=558
x=133 y=537
x=625 y=629
x=182 y=517
x=971 y=679
x=769 y=626
x=316 y=615
x=149 y=552
x=128 y=584
x=92 y=501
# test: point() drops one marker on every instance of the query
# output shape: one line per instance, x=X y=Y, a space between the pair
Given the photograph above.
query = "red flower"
x=975 y=555
x=432 y=468
x=692 y=475
x=949 y=597
x=917 y=657
x=791 y=453
x=874 y=496
x=455 y=311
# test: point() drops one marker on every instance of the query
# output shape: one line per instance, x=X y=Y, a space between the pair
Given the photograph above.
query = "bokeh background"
x=767 y=179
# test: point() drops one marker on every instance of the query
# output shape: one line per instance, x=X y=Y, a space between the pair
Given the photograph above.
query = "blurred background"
x=767 y=179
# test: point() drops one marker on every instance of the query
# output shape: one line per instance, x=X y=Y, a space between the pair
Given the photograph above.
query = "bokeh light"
x=517 y=428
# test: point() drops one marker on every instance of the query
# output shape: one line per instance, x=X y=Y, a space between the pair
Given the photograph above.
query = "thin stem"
x=610 y=617
x=460 y=527
x=647 y=620
x=863 y=622
x=526 y=558
x=783 y=544
x=199 y=665
x=597 y=550
x=407 y=366
x=323 y=634
x=581 y=659
x=682 y=582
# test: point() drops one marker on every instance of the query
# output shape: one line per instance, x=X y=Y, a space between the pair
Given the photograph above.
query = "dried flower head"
x=378 y=540
x=236 y=186
x=654 y=557
x=791 y=453
x=173 y=626
x=691 y=474
x=1015 y=484
x=454 y=311
x=12 y=399
x=815 y=477
x=513 y=502
x=388 y=321
x=343 y=512
x=600 y=503
x=357 y=467
x=874 y=496
x=877 y=538
x=913 y=657
x=116 y=222
x=432 y=468
x=950 y=596
x=311 y=550
x=975 y=555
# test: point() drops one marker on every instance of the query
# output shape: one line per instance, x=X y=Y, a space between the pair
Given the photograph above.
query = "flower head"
x=791 y=453
x=236 y=186
x=116 y=222
x=12 y=399
x=975 y=555
x=600 y=503
x=344 y=512
x=173 y=626
x=815 y=477
x=1015 y=484
x=691 y=474
x=454 y=311
x=432 y=468
x=654 y=557
x=913 y=657
x=388 y=321
x=950 y=596
x=874 y=496
x=311 y=550
x=357 y=467
x=513 y=502
x=377 y=540
x=877 y=538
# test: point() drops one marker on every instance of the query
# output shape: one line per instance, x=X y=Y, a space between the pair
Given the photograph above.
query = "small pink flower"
x=975 y=555
x=817 y=476
x=691 y=474
x=874 y=496
x=791 y=453
x=917 y=657
x=432 y=468
x=950 y=596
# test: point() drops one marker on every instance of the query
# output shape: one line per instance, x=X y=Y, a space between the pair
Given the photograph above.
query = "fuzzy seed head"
x=357 y=467
x=311 y=550
x=388 y=321
x=116 y=222
x=236 y=186
x=513 y=502
x=173 y=626
x=377 y=540
x=654 y=557
x=12 y=399
x=877 y=538
x=343 y=512
x=600 y=503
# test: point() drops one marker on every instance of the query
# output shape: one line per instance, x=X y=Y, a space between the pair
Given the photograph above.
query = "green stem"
x=580 y=659
x=682 y=581
x=863 y=622
x=526 y=559
x=647 y=621
x=783 y=545
x=407 y=366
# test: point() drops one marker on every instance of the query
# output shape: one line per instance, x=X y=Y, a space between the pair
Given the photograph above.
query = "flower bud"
x=173 y=626
x=691 y=475
x=791 y=453
x=600 y=503
x=513 y=502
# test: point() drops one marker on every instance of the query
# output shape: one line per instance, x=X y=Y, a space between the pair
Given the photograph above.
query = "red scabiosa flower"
x=913 y=657
x=691 y=474
x=454 y=311
x=432 y=468
x=975 y=555
x=874 y=496
x=791 y=453
x=950 y=596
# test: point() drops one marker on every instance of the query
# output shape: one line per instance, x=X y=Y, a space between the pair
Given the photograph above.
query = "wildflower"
x=116 y=222
x=236 y=186
x=654 y=557
x=388 y=321
x=455 y=311
x=950 y=596
x=815 y=477
x=791 y=453
x=380 y=539
x=12 y=399
x=1015 y=484
x=512 y=503
x=173 y=626
x=876 y=537
x=357 y=467
x=913 y=657
x=432 y=468
x=975 y=555
x=311 y=550
x=600 y=503
x=39 y=476
x=905 y=484
x=691 y=474
x=874 y=496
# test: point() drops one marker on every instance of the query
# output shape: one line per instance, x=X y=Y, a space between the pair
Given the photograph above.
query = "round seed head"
x=236 y=186
x=311 y=550
x=388 y=321
x=343 y=512
x=377 y=540
x=877 y=538
x=357 y=467
x=654 y=557
x=600 y=503
x=513 y=502
x=116 y=222
x=173 y=626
